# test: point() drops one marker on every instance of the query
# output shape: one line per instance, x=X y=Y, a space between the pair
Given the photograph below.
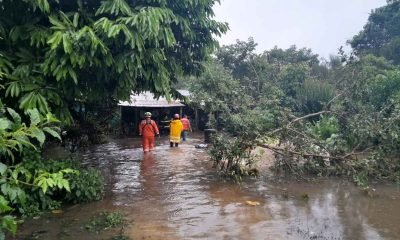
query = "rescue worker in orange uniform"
x=148 y=130
x=186 y=127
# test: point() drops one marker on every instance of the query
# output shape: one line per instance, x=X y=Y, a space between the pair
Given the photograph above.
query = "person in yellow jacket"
x=175 y=130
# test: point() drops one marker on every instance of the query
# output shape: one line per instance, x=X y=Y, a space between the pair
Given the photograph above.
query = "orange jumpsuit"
x=186 y=124
x=148 y=129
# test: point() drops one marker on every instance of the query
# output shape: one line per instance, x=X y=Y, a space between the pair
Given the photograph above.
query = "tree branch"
x=308 y=116
x=333 y=99
x=297 y=120
x=285 y=152
x=282 y=151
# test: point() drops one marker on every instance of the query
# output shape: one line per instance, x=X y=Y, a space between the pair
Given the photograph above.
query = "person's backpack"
x=149 y=123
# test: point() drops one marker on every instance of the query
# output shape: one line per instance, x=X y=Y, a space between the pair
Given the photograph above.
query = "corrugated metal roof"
x=146 y=99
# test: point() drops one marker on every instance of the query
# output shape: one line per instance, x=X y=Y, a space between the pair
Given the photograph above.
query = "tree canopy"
x=381 y=34
x=54 y=53
x=339 y=117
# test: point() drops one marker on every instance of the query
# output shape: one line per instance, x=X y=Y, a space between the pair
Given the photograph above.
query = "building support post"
x=136 y=123
x=196 y=117
x=121 y=122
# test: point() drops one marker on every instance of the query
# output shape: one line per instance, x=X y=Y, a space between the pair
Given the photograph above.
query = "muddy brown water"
x=173 y=193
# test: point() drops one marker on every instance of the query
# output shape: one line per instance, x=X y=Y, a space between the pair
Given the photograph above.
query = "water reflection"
x=146 y=209
x=148 y=176
x=174 y=194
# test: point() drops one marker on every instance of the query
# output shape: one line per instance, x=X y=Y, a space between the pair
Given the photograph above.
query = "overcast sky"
x=322 y=25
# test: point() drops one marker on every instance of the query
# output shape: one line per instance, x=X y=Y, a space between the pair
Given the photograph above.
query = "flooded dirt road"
x=173 y=193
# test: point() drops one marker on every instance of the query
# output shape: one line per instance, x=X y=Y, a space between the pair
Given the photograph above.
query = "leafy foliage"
x=232 y=156
x=29 y=184
x=60 y=52
x=337 y=118
x=325 y=127
x=381 y=35
x=15 y=136
x=86 y=187
x=104 y=220
x=19 y=186
x=313 y=94
x=59 y=56
x=228 y=89
x=7 y=222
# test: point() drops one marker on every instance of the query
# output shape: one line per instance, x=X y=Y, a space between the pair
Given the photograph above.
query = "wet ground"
x=173 y=193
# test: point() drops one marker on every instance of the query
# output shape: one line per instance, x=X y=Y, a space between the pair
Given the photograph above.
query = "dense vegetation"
x=381 y=35
x=30 y=184
x=63 y=62
x=338 y=117
x=59 y=55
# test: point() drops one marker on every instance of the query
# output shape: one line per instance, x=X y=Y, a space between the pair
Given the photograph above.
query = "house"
x=132 y=112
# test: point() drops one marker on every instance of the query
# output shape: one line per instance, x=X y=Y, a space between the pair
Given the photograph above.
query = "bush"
x=86 y=186
x=325 y=128
x=41 y=185
x=30 y=184
x=313 y=95
x=232 y=156
x=7 y=222
x=104 y=220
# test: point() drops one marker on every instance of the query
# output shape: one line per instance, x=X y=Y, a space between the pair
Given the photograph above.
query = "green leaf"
x=67 y=44
x=52 y=132
x=39 y=135
x=3 y=168
x=43 y=5
x=55 y=40
x=50 y=182
x=14 y=89
x=65 y=184
x=72 y=73
x=26 y=100
x=51 y=119
x=76 y=19
x=34 y=116
x=24 y=140
x=21 y=196
x=14 y=175
x=69 y=170
x=16 y=117
x=5 y=124
x=12 y=194
x=9 y=223
x=5 y=188
x=4 y=207
x=42 y=103
x=43 y=185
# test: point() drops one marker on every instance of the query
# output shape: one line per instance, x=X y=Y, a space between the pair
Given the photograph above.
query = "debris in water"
x=201 y=146
x=371 y=192
x=57 y=211
x=253 y=203
x=285 y=194
x=305 y=196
